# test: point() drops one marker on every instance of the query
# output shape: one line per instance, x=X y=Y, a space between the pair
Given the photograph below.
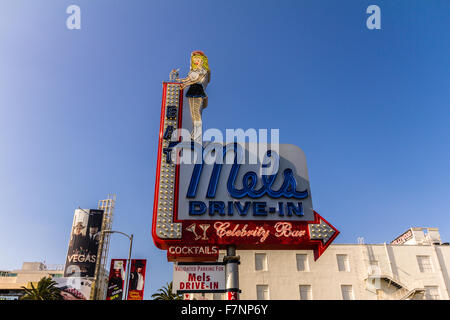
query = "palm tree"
x=45 y=290
x=165 y=293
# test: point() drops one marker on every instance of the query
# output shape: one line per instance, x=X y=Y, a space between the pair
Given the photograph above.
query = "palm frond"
x=165 y=293
x=46 y=290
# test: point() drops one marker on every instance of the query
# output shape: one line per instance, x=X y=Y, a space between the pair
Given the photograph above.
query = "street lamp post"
x=130 y=237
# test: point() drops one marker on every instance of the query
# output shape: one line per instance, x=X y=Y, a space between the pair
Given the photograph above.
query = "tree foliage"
x=165 y=293
x=45 y=290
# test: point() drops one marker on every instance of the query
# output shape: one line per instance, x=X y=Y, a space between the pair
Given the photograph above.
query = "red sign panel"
x=202 y=206
x=187 y=253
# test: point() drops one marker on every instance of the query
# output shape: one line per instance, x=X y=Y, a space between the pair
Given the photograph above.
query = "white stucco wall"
x=396 y=262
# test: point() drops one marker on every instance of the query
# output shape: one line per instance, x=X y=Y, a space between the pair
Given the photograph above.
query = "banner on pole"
x=137 y=279
x=116 y=279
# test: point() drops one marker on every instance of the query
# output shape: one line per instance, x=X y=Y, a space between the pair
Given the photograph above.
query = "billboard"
x=116 y=279
x=74 y=288
x=137 y=279
x=83 y=244
x=221 y=198
x=198 y=277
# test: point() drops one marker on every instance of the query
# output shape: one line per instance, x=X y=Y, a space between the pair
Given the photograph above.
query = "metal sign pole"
x=127 y=280
x=97 y=275
x=232 y=273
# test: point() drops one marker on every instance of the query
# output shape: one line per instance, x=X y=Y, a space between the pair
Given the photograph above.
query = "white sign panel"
x=232 y=191
x=198 y=277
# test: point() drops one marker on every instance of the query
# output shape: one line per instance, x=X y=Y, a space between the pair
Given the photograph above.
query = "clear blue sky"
x=79 y=110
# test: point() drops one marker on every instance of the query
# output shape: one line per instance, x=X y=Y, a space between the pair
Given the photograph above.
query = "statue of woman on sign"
x=197 y=80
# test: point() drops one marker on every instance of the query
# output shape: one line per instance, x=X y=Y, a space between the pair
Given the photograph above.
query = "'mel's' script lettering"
x=249 y=183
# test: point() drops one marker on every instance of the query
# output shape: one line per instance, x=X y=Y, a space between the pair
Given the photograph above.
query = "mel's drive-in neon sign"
x=209 y=195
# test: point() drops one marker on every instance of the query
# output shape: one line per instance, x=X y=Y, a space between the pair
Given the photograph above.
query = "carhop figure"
x=197 y=80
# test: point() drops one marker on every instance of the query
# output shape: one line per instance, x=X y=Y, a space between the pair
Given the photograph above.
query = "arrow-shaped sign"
x=322 y=233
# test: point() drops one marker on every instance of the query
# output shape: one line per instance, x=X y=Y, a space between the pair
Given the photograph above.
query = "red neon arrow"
x=321 y=234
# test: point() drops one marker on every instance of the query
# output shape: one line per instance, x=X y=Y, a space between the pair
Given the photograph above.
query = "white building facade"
x=417 y=266
x=11 y=282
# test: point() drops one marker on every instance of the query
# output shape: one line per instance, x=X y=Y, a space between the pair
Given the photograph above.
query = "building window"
x=374 y=263
x=302 y=262
x=305 y=292
x=424 y=263
x=374 y=267
x=262 y=292
x=7 y=274
x=347 y=292
x=260 y=262
x=432 y=293
x=343 y=263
